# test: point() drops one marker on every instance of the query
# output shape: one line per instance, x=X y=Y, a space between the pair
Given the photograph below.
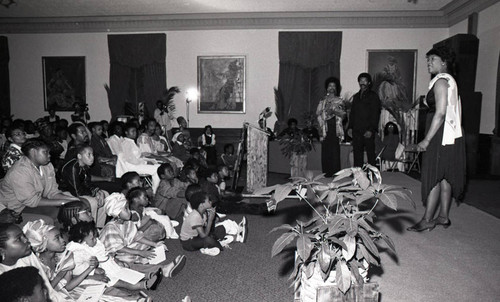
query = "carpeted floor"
x=457 y=264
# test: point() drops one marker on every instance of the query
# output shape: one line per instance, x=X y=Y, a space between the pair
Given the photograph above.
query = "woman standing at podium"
x=443 y=162
x=330 y=113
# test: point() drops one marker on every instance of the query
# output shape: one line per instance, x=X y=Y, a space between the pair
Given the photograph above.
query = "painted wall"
x=489 y=49
x=183 y=47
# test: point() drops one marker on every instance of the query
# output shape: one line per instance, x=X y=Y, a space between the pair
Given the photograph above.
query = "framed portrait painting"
x=63 y=82
x=394 y=75
x=221 y=84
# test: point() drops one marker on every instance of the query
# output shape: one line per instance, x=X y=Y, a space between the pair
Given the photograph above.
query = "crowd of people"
x=81 y=202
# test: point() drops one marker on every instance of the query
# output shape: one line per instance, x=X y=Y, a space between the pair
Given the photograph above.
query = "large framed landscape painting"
x=221 y=84
x=63 y=82
x=394 y=75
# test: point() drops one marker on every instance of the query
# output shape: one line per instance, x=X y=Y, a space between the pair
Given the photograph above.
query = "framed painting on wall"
x=63 y=82
x=394 y=75
x=221 y=84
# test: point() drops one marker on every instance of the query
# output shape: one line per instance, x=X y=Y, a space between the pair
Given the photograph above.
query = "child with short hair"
x=196 y=229
x=122 y=237
x=148 y=219
x=76 y=178
x=169 y=197
x=228 y=157
x=230 y=231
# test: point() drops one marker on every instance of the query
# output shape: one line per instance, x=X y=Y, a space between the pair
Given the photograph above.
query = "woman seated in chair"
x=390 y=141
x=392 y=148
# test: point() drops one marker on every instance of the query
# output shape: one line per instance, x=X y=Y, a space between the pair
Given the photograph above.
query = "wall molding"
x=451 y=14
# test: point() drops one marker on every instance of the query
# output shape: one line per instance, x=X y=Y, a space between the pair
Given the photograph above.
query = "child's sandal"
x=158 y=275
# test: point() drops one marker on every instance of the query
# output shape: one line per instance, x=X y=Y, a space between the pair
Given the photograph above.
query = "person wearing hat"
x=122 y=237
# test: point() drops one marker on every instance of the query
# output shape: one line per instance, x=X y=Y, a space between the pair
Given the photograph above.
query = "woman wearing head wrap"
x=122 y=237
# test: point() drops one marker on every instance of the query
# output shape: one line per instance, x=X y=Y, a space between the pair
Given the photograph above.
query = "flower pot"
x=298 y=165
x=314 y=289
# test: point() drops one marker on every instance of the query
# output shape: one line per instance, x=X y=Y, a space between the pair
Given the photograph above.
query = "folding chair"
x=410 y=158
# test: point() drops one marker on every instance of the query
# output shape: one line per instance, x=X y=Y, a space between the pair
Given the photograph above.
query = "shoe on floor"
x=177 y=266
x=243 y=234
x=214 y=251
x=227 y=240
x=271 y=205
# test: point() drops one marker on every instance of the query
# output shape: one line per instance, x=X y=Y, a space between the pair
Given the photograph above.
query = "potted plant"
x=296 y=146
x=339 y=244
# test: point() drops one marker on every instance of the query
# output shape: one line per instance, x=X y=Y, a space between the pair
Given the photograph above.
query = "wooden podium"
x=256 y=157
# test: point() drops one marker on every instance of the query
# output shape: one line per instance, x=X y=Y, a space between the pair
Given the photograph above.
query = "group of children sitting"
x=133 y=237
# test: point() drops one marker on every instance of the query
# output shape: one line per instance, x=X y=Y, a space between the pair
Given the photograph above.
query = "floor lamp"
x=191 y=95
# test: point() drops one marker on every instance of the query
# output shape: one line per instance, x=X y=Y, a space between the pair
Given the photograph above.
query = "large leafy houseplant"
x=341 y=238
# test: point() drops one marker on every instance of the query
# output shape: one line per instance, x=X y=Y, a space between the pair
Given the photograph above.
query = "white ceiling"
x=86 y=8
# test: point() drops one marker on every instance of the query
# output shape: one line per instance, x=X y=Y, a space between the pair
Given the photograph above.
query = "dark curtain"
x=307 y=59
x=138 y=65
x=4 y=77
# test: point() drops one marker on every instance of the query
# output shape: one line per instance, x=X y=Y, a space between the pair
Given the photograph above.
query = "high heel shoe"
x=444 y=224
x=422 y=225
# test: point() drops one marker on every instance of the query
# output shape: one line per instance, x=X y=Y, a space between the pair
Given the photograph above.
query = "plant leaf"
x=285 y=227
x=343 y=276
x=282 y=242
x=365 y=225
x=319 y=176
x=389 y=242
x=368 y=242
x=361 y=179
x=304 y=247
x=363 y=197
x=343 y=174
x=355 y=271
x=282 y=192
x=324 y=258
x=265 y=190
x=389 y=200
x=332 y=197
x=350 y=243
x=309 y=271
x=366 y=254
x=339 y=242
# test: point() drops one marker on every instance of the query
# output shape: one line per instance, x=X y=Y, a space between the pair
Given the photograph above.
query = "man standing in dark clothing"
x=363 y=121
